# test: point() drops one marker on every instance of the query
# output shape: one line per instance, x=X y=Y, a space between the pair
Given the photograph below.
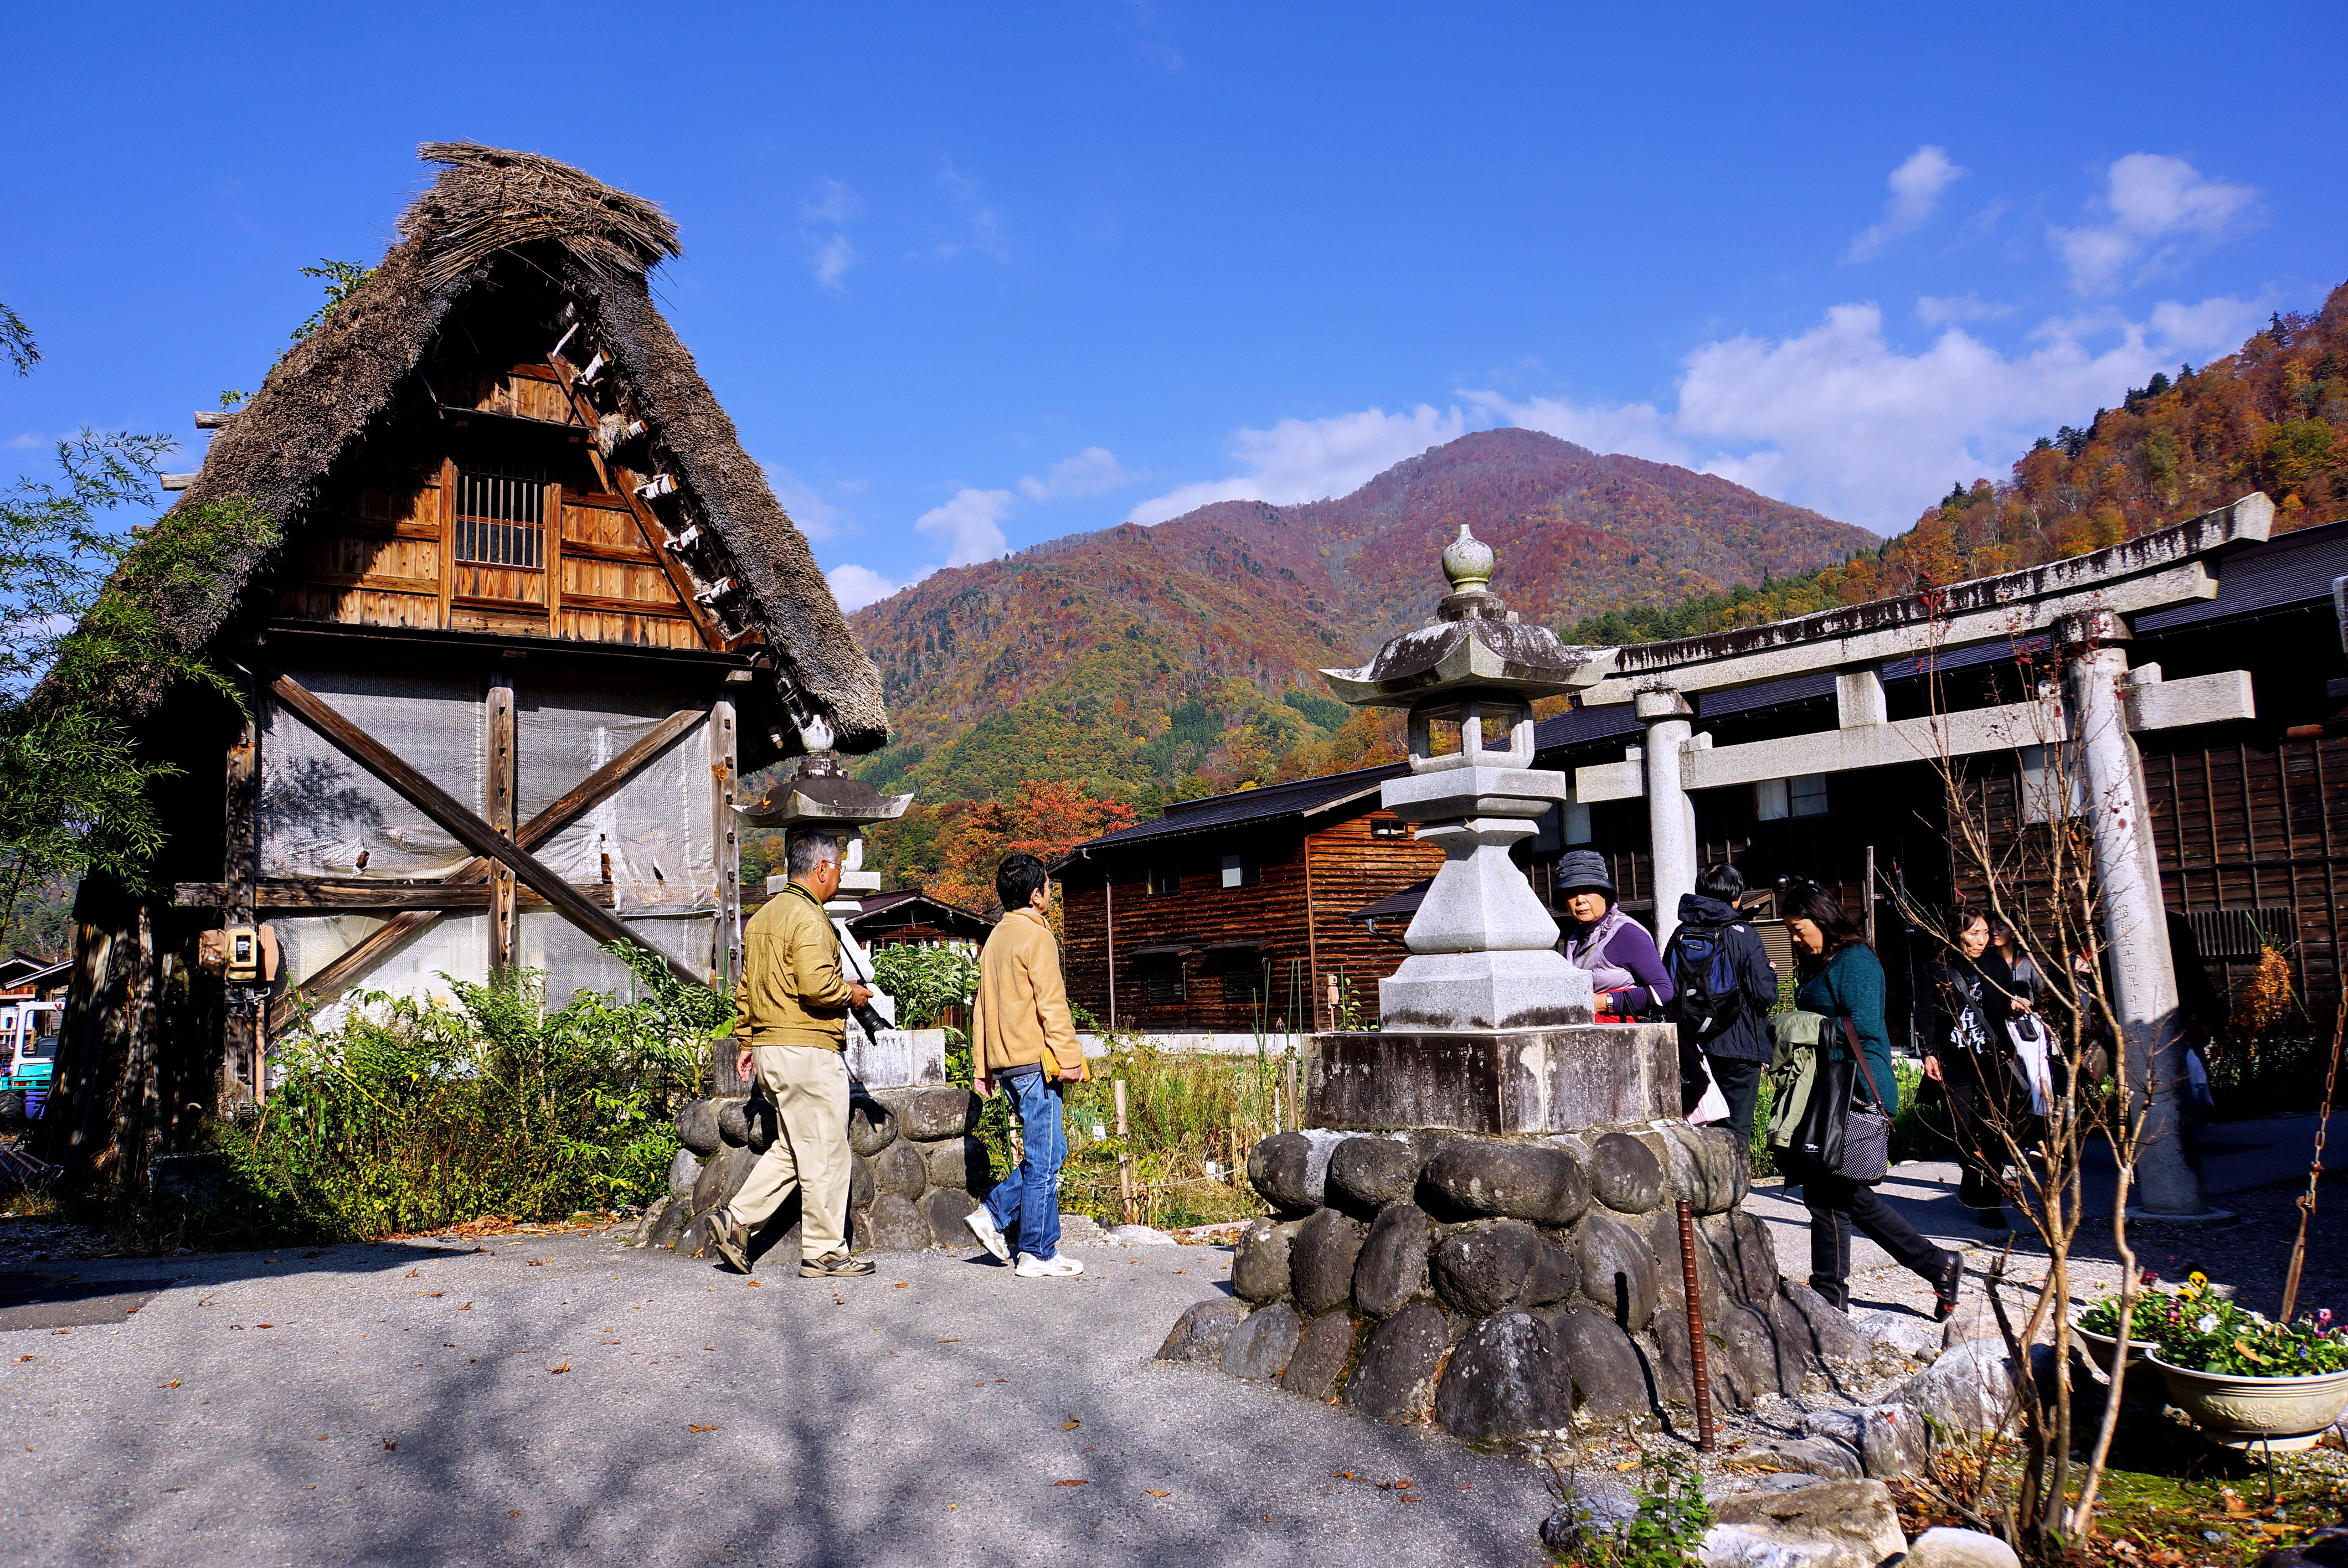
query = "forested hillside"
x=1137 y=658
x=2272 y=417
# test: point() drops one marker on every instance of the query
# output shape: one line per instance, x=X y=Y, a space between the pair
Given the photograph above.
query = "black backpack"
x=1705 y=996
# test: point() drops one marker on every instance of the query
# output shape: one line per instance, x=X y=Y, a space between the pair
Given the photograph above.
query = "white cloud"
x=817 y=518
x=1839 y=419
x=970 y=526
x=1639 y=429
x=2152 y=208
x=1916 y=188
x=1308 y=459
x=1939 y=310
x=985 y=234
x=823 y=217
x=1089 y=473
x=857 y=586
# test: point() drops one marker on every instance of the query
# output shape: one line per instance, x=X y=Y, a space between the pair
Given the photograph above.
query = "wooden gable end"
x=485 y=505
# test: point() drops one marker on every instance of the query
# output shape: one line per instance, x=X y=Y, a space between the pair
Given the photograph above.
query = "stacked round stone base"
x=1506 y=1287
x=918 y=1172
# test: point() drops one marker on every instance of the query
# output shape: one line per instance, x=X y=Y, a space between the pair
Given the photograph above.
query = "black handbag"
x=1866 y=1127
x=1819 y=1135
x=1853 y=1140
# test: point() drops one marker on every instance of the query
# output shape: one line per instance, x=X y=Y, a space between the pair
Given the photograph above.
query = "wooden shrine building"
x=524 y=613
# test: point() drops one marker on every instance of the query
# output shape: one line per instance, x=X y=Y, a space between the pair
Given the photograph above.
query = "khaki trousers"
x=808 y=1085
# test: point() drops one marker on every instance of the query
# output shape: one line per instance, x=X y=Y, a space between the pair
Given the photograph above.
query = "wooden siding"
x=2260 y=825
x=381 y=549
x=1348 y=869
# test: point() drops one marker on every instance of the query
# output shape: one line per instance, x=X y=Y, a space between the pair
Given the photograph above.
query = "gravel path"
x=422 y=1403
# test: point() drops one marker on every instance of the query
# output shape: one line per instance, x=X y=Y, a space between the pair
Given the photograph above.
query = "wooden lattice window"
x=2237 y=936
x=1164 y=880
x=1163 y=982
x=502 y=515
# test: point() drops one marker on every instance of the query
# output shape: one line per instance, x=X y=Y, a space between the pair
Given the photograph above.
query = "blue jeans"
x=1025 y=1204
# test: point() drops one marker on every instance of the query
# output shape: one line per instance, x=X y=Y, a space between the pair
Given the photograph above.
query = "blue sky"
x=969 y=277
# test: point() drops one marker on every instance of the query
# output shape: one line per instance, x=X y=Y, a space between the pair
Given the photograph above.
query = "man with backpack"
x=1723 y=988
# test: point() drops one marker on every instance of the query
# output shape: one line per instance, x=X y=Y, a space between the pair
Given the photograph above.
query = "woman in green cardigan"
x=1842 y=978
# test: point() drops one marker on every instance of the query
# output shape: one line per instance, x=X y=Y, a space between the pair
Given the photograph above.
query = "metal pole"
x=1703 y=1438
x=1124 y=1160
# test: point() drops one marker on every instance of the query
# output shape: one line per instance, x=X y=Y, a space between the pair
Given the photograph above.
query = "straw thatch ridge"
x=492 y=208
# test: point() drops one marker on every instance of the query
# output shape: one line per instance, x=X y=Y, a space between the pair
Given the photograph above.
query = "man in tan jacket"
x=1022 y=1040
x=791 y=1028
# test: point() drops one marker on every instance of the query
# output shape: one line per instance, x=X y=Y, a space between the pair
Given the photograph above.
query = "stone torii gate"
x=2083 y=606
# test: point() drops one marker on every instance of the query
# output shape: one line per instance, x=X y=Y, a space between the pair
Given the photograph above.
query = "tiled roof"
x=1272 y=803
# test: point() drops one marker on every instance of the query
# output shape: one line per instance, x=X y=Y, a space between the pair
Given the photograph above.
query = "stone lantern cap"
x=819 y=793
x=1474 y=642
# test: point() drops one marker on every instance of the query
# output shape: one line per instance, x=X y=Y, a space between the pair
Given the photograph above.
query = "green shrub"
x=413 y=1115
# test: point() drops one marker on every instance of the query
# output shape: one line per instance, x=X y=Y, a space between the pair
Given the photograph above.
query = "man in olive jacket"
x=1023 y=1039
x=791 y=1028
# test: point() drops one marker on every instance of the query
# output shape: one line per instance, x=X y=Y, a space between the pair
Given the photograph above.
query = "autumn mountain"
x=1136 y=657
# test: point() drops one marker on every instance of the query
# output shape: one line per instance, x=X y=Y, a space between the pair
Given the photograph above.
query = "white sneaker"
x=983 y=1226
x=1059 y=1266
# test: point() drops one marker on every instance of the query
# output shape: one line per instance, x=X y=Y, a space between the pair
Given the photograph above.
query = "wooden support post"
x=550 y=513
x=501 y=817
x=241 y=1044
x=724 y=829
x=1124 y=1161
x=1703 y=1438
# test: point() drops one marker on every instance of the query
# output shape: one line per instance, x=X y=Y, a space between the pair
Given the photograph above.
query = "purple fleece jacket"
x=1624 y=968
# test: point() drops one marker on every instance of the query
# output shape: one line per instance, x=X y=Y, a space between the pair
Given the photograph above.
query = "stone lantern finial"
x=1468 y=561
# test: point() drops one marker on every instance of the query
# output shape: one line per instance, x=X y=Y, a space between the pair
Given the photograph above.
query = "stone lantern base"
x=1557 y=1080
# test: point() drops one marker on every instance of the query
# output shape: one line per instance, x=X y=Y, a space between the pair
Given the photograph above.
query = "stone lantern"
x=1485 y=1025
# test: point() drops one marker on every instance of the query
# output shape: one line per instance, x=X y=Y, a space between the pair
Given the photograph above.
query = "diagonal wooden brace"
x=468 y=828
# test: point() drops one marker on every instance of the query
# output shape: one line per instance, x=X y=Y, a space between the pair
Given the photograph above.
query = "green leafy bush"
x=413 y=1115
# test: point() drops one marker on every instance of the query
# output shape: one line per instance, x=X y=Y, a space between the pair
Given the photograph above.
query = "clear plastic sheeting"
x=454 y=946
x=654 y=840
x=322 y=815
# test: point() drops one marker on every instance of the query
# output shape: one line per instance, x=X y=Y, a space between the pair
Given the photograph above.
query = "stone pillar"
x=1671 y=815
x=2135 y=920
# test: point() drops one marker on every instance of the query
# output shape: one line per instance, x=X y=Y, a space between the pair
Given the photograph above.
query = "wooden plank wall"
x=2261 y=823
x=379 y=552
x=1349 y=869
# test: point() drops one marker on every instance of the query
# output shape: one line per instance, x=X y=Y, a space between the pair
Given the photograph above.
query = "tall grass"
x=1183 y=1110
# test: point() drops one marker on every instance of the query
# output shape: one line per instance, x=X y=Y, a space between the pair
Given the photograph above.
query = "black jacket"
x=1747 y=1038
x=1961 y=1010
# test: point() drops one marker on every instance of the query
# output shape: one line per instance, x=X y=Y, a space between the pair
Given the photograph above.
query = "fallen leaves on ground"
x=949 y=1341
x=1071 y=1424
x=390 y=1444
x=1080 y=1481
x=1158 y=1493
x=753 y=1284
x=704 y=1429
x=564 y=1367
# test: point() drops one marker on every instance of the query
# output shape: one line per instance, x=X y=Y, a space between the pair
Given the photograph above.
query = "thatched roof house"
x=520 y=612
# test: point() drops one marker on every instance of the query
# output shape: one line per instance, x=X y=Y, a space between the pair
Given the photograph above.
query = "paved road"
x=2237 y=1157
x=248 y=1412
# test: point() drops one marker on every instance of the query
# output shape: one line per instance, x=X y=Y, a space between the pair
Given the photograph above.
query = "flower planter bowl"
x=2099 y=1348
x=2283 y=1413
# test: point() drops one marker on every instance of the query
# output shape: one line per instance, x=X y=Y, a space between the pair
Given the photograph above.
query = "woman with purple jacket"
x=1625 y=970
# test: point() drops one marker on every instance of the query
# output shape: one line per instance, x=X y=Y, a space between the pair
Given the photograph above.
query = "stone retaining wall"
x=918 y=1172
x=1503 y=1288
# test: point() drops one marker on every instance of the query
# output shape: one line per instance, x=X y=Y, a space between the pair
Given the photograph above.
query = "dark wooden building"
x=2250 y=816
x=510 y=612
x=1229 y=916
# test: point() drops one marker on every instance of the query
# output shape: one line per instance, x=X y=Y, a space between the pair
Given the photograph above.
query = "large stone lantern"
x=1483 y=950
x=1485 y=1026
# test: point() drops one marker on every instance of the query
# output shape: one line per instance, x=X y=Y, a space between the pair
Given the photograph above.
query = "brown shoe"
x=834 y=1265
x=731 y=1240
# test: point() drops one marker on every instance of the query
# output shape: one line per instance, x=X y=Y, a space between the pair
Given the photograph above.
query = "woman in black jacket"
x=1724 y=988
x=1967 y=998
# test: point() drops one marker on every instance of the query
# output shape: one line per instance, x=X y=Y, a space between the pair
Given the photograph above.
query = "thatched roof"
x=491 y=209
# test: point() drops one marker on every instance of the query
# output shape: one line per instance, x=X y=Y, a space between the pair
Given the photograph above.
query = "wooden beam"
x=724 y=829
x=501 y=817
x=241 y=1074
x=595 y=788
x=447 y=536
x=311 y=892
x=216 y=418
x=461 y=824
x=551 y=509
